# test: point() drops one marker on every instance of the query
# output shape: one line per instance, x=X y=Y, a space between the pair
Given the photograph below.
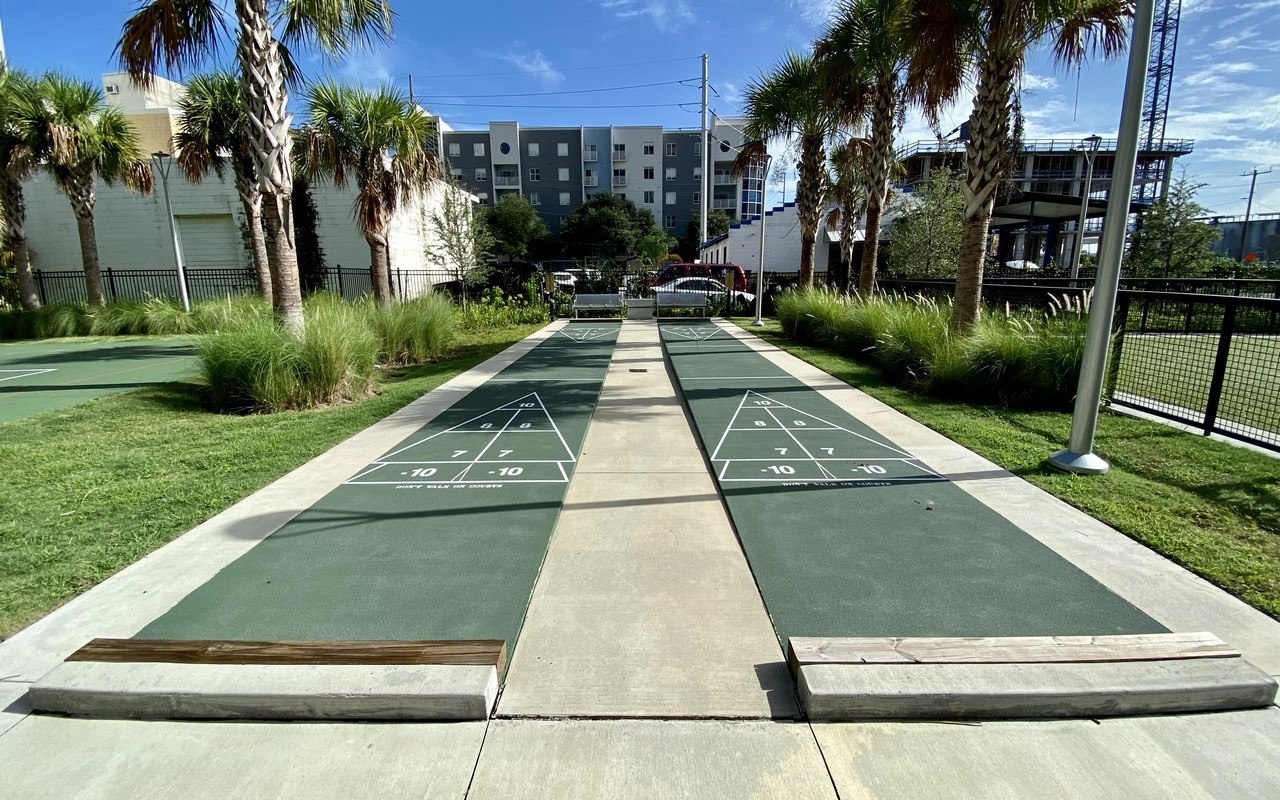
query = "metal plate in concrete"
x=651 y=759
x=1024 y=691
x=1226 y=755
x=56 y=758
x=249 y=691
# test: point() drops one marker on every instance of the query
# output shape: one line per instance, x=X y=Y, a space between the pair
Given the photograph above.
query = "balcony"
x=724 y=202
x=724 y=178
x=512 y=181
x=589 y=155
x=619 y=180
x=619 y=156
x=591 y=182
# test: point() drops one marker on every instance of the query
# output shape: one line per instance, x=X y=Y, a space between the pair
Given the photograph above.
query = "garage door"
x=209 y=241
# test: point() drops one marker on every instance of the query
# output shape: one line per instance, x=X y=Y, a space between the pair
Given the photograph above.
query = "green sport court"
x=36 y=377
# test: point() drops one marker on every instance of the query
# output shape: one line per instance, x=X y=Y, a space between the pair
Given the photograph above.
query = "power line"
x=561 y=69
x=566 y=91
x=580 y=108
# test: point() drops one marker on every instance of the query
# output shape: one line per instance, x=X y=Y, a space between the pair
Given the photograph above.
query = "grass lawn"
x=1209 y=506
x=88 y=490
x=1177 y=369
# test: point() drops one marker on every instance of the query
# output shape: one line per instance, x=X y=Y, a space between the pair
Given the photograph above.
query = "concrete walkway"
x=644 y=608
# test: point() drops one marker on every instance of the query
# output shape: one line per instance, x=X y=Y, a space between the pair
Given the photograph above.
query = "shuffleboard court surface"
x=849 y=535
x=440 y=538
x=36 y=377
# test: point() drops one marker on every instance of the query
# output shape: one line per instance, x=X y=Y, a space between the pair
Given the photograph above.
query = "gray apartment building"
x=558 y=168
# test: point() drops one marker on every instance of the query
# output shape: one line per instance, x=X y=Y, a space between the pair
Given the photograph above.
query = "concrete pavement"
x=672 y=594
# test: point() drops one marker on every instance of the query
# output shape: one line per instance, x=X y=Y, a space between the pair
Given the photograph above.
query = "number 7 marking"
x=831 y=451
x=457 y=453
x=781 y=450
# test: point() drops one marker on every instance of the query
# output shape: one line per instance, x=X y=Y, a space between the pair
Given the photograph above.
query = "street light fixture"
x=1090 y=148
x=163 y=164
x=764 y=177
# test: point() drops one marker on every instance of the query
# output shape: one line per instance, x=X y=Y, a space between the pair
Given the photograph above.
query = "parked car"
x=565 y=281
x=708 y=287
x=717 y=271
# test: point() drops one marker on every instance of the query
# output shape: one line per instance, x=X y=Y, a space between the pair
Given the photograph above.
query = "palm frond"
x=750 y=156
x=211 y=124
x=174 y=34
x=334 y=27
x=943 y=40
x=1095 y=28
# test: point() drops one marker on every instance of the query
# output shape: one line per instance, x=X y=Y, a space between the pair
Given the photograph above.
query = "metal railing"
x=591 y=181
x=589 y=155
x=619 y=156
x=724 y=202
x=1044 y=146
x=619 y=180
x=506 y=180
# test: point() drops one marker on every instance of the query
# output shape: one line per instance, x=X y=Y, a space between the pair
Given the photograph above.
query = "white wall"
x=635 y=137
x=782 y=243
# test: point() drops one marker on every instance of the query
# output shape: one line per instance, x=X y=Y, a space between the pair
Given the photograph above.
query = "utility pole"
x=1244 y=229
x=705 y=199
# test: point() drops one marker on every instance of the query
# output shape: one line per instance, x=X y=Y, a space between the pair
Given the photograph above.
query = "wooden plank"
x=802 y=651
x=481 y=652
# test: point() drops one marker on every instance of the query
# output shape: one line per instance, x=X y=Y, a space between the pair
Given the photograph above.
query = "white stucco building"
x=782 y=243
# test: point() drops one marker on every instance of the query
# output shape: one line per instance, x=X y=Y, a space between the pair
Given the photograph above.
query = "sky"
x=476 y=62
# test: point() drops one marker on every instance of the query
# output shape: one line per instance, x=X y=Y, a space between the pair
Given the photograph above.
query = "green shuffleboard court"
x=442 y=537
x=36 y=377
x=849 y=535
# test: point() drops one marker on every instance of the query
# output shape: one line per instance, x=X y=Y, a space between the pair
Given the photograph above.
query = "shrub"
x=231 y=313
x=493 y=310
x=119 y=318
x=60 y=319
x=413 y=331
x=914 y=330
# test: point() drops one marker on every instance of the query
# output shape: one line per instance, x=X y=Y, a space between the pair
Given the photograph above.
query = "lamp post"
x=163 y=163
x=1079 y=456
x=764 y=176
x=1090 y=150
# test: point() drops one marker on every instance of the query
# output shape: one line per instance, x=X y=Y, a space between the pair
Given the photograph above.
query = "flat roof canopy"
x=1041 y=207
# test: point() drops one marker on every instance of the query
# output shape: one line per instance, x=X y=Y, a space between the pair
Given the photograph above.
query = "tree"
x=607 y=225
x=848 y=184
x=75 y=135
x=179 y=34
x=950 y=40
x=790 y=102
x=717 y=225
x=929 y=228
x=211 y=123
x=1170 y=242
x=378 y=140
x=655 y=247
x=516 y=228
x=17 y=163
x=862 y=57
x=463 y=240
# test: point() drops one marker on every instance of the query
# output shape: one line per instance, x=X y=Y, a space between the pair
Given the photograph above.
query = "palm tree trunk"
x=985 y=162
x=80 y=193
x=882 y=120
x=810 y=189
x=266 y=106
x=14 y=207
x=380 y=265
x=251 y=200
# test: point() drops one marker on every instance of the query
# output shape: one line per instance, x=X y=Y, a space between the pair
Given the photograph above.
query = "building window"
x=697 y=199
x=535 y=174
x=671 y=198
x=477 y=149
x=533 y=150
x=648 y=197
x=619 y=177
x=619 y=152
x=671 y=173
x=588 y=152
x=484 y=198
x=589 y=178
x=562 y=149
x=457 y=172
x=670 y=221
x=535 y=199
x=648 y=173
x=564 y=198
x=671 y=149
x=482 y=174
x=455 y=149
x=697 y=148
x=563 y=175
x=648 y=148
x=697 y=173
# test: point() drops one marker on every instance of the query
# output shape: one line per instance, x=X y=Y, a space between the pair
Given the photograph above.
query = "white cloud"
x=815 y=12
x=666 y=15
x=536 y=65
x=1037 y=83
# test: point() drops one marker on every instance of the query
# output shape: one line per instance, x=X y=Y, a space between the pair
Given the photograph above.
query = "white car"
x=565 y=281
x=708 y=287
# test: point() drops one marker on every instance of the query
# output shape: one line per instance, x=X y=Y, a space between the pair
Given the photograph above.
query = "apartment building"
x=557 y=169
x=152 y=110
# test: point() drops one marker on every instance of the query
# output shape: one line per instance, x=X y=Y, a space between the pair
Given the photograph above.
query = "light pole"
x=163 y=164
x=1079 y=456
x=764 y=176
x=1090 y=150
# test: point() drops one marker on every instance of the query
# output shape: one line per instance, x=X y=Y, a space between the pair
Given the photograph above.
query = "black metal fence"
x=1211 y=361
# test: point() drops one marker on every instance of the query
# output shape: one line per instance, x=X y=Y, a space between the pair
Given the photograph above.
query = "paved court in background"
x=441 y=537
x=36 y=377
x=849 y=535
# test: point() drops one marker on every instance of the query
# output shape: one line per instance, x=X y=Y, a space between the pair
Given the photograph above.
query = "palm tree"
x=848 y=183
x=950 y=40
x=180 y=35
x=378 y=140
x=16 y=166
x=861 y=54
x=787 y=102
x=212 y=132
x=76 y=136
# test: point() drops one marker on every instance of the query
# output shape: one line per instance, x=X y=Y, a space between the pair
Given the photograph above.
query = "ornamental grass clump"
x=413 y=331
x=914 y=330
x=231 y=313
x=119 y=318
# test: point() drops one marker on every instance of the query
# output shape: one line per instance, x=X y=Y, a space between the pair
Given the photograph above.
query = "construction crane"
x=1155 y=103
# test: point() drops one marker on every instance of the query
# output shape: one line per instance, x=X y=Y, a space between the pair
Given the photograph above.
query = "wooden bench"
x=677 y=300
x=598 y=302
